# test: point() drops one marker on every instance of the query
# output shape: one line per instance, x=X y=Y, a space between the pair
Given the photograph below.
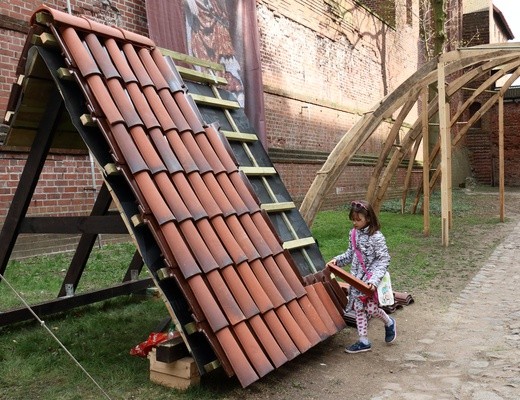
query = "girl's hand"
x=372 y=287
x=332 y=263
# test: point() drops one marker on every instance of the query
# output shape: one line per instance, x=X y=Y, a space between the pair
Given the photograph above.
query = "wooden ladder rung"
x=297 y=243
x=278 y=207
x=239 y=136
x=258 y=171
x=212 y=101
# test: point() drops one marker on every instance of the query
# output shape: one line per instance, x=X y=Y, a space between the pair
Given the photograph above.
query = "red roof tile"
x=243 y=290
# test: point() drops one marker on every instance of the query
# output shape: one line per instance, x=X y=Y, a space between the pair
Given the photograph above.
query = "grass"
x=99 y=336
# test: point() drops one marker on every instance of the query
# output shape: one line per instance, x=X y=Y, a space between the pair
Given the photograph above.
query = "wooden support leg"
x=29 y=178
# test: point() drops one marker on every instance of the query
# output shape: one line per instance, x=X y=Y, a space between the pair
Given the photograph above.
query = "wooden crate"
x=179 y=374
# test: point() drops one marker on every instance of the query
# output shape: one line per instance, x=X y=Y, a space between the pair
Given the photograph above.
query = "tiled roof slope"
x=233 y=290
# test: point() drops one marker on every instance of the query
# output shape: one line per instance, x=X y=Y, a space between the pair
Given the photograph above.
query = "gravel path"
x=473 y=350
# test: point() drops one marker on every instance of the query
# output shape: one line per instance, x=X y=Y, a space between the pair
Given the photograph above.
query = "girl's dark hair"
x=364 y=208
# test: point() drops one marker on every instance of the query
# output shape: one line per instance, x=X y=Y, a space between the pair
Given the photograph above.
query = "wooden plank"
x=45 y=39
x=239 y=136
x=171 y=350
x=278 y=207
x=501 y=156
x=213 y=102
x=197 y=76
x=297 y=243
x=445 y=138
x=61 y=304
x=258 y=171
x=192 y=60
x=72 y=225
x=350 y=279
x=426 y=163
x=29 y=177
x=184 y=367
x=86 y=243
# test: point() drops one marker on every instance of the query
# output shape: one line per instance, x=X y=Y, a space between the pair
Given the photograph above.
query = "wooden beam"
x=426 y=163
x=86 y=243
x=278 y=207
x=445 y=139
x=501 y=156
x=213 y=102
x=98 y=224
x=297 y=243
x=258 y=171
x=61 y=304
x=350 y=279
x=29 y=178
x=239 y=136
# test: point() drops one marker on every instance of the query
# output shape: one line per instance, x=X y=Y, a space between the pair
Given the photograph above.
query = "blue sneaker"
x=358 y=347
x=390 y=332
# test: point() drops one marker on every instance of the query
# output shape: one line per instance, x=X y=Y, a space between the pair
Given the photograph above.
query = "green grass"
x=100 y=336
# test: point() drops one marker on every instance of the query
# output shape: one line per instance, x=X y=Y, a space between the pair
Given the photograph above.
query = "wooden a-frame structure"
x=473 y=70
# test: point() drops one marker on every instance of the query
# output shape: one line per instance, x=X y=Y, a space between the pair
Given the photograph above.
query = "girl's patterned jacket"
x=375 y=256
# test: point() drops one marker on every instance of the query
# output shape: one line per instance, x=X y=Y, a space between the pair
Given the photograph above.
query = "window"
x=383 y=9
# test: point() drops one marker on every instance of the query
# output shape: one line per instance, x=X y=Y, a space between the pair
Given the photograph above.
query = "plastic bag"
x=385 y=294
x=155 y=338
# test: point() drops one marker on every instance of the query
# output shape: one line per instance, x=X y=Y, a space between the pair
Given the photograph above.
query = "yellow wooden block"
x=173 y=382
x=179 y=374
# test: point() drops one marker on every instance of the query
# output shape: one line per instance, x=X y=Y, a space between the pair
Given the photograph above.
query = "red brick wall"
x=14 y=22
x=511 y=145
x=65 y=186
x=324 y=63
x=322 y=74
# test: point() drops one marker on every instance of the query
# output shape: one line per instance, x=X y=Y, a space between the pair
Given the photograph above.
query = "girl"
x=369 y=265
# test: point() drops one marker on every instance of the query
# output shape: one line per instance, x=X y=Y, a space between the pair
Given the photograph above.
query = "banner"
x=222 y=31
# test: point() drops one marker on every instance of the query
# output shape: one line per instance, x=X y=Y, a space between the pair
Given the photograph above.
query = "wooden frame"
x=451 y=73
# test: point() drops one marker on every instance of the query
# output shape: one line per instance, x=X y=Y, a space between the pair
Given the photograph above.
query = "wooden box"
x=179 y=374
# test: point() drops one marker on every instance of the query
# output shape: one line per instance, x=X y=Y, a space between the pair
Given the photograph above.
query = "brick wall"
x=322 y=73
x=511 y=144
x=65 y=186
x=324 y=63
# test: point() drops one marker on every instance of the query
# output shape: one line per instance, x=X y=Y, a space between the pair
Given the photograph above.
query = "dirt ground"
x=326 y=372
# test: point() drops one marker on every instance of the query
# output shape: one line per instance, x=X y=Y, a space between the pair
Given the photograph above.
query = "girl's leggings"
x=371 y=308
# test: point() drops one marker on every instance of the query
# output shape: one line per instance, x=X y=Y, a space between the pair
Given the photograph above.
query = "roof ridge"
x=86 y=24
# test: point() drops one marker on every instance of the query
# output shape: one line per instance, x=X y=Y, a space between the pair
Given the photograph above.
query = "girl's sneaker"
x=358 y=347
x=390 y=332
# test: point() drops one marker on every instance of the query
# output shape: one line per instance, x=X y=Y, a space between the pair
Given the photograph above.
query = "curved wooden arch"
x=481 y=65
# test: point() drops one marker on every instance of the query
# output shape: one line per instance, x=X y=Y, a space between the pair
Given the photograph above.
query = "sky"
x=511 y=11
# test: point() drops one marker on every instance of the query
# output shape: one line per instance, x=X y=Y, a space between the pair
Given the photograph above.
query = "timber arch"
x=477 y=67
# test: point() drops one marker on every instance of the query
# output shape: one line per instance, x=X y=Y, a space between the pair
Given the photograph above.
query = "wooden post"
x=444 y=133
x=426 y=162
x=501 y=155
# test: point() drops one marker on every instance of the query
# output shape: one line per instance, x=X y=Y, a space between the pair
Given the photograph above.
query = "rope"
x=42 y=323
